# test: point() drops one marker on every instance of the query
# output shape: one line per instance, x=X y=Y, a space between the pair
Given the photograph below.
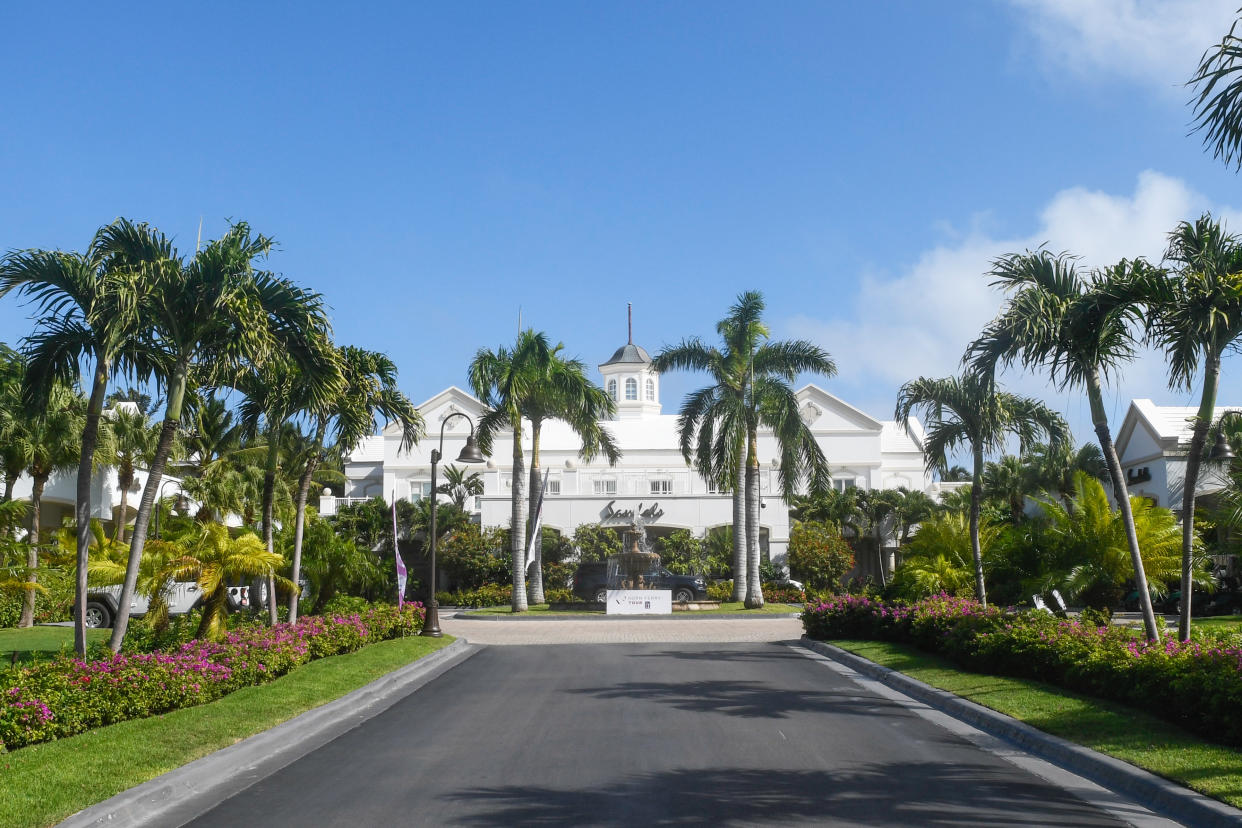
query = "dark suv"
x=591 y=583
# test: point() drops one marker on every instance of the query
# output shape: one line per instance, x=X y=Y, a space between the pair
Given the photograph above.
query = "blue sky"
x=432 y=168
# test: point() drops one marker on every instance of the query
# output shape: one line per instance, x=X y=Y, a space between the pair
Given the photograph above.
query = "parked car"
x=102 y=603
x=590 y=583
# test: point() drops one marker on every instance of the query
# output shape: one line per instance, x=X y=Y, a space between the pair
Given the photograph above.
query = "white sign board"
x=640 y=601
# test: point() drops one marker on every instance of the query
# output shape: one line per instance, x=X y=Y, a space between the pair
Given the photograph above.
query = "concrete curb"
x=186 y=792
x=1152 y=791
x=684 y=616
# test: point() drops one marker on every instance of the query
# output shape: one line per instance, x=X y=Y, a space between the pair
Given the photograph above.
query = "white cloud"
x=1150 y=41
x=919 y=322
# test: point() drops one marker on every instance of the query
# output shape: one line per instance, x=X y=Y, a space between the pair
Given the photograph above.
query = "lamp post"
x=469 y=454
x=180 y=505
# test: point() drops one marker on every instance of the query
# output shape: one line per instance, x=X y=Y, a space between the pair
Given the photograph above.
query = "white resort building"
x=651 y=479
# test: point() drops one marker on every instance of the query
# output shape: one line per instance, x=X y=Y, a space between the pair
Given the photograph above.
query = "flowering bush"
x=65 y=696
x=774 y=594
x=1197 y=684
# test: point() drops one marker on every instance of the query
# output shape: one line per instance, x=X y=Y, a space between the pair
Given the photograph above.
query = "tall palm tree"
x=877 y=509
x=532 y=380
x=368 y=392
x=1080 y=330
x=213 y=315
x=1195 y=316
x=1008 y=481
x=1050 y=467
x=12 y=419
x=51 y=444
x=1218 y=99
x=971 y=411
x=91 y=311
x=718 y=425
x=563 y=393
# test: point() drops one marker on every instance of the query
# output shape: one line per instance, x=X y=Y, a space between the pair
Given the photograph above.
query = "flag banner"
x=536 y=520
x=401 y=571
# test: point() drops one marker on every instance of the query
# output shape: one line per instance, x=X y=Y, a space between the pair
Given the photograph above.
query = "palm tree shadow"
x=909 y=793
x=748 y=699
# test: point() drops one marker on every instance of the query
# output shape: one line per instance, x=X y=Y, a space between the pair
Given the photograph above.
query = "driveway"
x=708 y=731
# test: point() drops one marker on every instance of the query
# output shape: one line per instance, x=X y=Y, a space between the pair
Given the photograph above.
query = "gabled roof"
x=1170 y=425
x=452 y=396
x=863 y=420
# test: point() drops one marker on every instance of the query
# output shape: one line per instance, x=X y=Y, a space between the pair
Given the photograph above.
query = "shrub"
x=345 y=605
x=473 y=557
x=66 y=696
x=488 y=595
x=818 y=555
x=1197 y=684
x=557 y=595
x=776 y=594
x=720 y=591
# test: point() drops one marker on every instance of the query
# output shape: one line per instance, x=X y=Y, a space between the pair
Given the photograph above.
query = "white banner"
x=640 y=601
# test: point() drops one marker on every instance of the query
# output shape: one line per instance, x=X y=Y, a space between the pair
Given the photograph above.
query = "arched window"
x=650 y=390
x=612 y=388
x=631 y=389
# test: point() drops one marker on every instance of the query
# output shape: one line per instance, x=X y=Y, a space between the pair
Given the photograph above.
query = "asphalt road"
x=649 y=734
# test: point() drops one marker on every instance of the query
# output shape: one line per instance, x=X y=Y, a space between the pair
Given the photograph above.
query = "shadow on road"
x=749 y=699
x=889 y=794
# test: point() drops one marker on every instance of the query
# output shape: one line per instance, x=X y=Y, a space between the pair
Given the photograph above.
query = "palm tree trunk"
x=168 y=432
x=517 y=525
x=82 y=503
x=9 y=481
x=123 y=484
x=754 y=585
x=299 y=520
x=32 y=551
x=976 y=503
x=1099 y=419
x=269 y=500
x=535 y=585
x=1198 y=439
x=739 y=530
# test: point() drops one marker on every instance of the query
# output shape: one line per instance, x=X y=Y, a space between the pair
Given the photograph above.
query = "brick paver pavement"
x=618 y=631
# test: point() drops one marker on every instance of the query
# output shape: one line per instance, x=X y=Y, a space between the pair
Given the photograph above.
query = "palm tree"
x=369 y=391
x=1195 y=316
x=214 y=559
x=955 y=474
x=51 y=445
x=718 y=426
x=563 y=393
x=1050 y=467
x=1080 y=330
x=12 y=419
x=1218 y=101
x=877 y=509
x=213 y=315
x=460 y=485
x=91 y=310
x=531 y=380
x=970 y=410
x=1008 y=481
x=130 y=442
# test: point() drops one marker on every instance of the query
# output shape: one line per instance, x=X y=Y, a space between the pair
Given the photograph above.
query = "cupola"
x=630 y=379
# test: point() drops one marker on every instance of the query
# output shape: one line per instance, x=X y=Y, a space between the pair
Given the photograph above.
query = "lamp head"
x=1220 y=449
x=470 y=452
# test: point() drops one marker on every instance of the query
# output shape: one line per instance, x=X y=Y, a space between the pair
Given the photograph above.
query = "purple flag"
x=401 y=571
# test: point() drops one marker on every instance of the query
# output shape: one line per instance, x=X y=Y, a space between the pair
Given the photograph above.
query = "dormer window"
x=631 y=389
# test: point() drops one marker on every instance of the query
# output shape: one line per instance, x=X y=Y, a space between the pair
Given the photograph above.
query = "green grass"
x=42 y=641
x=1218 y=623
x=725 y=607
x=1114 y=729
x=42 y=784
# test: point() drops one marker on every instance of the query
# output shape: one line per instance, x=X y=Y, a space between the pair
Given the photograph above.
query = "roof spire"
x=629 y=313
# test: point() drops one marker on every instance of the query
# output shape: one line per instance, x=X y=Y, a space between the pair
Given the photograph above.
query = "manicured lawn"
x=41 y=640
x=1107 y=727
x=42 y=784
x=1218 y=623
x=727 y=607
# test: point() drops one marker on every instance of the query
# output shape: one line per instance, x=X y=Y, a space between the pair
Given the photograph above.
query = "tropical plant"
x=472 y=556
x=718 y=426
x=1008 y=481
x=818 y=555
x=130 y=443
x=1080 y=330
x=1092 y=534
x=683 y=554
x=939 y=557
x=1195 y=316
x=460 y=485
x=1050 y=467
x=334 y=565
x=212 y=316
x=972 y=411
x=91 y=310
x=1218 y=98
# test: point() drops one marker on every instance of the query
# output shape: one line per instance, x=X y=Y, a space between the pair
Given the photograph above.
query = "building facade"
x=651 y=481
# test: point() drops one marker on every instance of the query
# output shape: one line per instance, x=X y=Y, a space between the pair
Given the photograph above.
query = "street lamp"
x=180 y=505
x=469 y=454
